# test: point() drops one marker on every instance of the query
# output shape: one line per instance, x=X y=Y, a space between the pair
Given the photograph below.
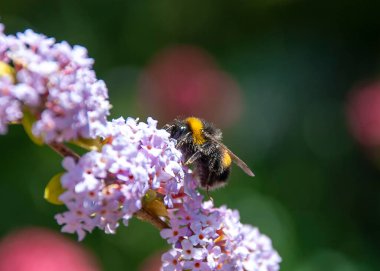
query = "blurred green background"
x=316 y=190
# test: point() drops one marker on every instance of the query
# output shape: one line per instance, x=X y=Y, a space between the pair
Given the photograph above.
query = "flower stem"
x=155 y=221
x=63 y=150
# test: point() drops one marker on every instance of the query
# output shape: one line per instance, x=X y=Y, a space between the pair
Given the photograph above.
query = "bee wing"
x=239 y=162
x=234 y=157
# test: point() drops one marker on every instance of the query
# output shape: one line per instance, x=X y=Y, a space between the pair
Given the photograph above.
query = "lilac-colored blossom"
x=10 y=108
x=171 y=261
x=56 y=83
x=107 y=186
x=214 y=239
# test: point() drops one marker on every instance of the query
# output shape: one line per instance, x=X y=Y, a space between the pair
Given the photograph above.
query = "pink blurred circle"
x=38 y=249
x=185 y=81
x=152 y=263
x=363 y=111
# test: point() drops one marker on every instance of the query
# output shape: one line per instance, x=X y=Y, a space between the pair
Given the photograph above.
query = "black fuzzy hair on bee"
x=200 y=143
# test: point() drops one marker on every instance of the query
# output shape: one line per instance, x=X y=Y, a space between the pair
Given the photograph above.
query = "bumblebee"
x=200 y=143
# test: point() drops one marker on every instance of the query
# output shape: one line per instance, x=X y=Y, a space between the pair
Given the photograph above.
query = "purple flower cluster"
x=107 y=186
x=207 y=238
x=55 y=83
x=10 y=108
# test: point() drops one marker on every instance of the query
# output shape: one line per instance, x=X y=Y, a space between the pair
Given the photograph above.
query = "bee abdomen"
x=219 y=180
x=212 y=179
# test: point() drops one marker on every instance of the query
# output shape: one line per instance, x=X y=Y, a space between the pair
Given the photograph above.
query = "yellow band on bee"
x=196 y=127
x=226 y=160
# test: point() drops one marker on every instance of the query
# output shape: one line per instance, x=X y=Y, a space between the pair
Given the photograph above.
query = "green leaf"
x=7 y=70
x=156 y=207
x=154 y=204
x=88 y=143
x=149 y=196
x=54 y=189
x=27 y=121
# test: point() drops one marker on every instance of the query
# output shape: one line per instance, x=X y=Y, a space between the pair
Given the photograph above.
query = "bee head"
x=178 y=129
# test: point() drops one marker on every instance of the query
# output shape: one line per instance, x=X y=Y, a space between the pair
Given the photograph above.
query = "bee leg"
x=168 y=127
x=179 y=143
x=208 y=195
x=208 y=188
x=193 y=158
x=181 y=140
